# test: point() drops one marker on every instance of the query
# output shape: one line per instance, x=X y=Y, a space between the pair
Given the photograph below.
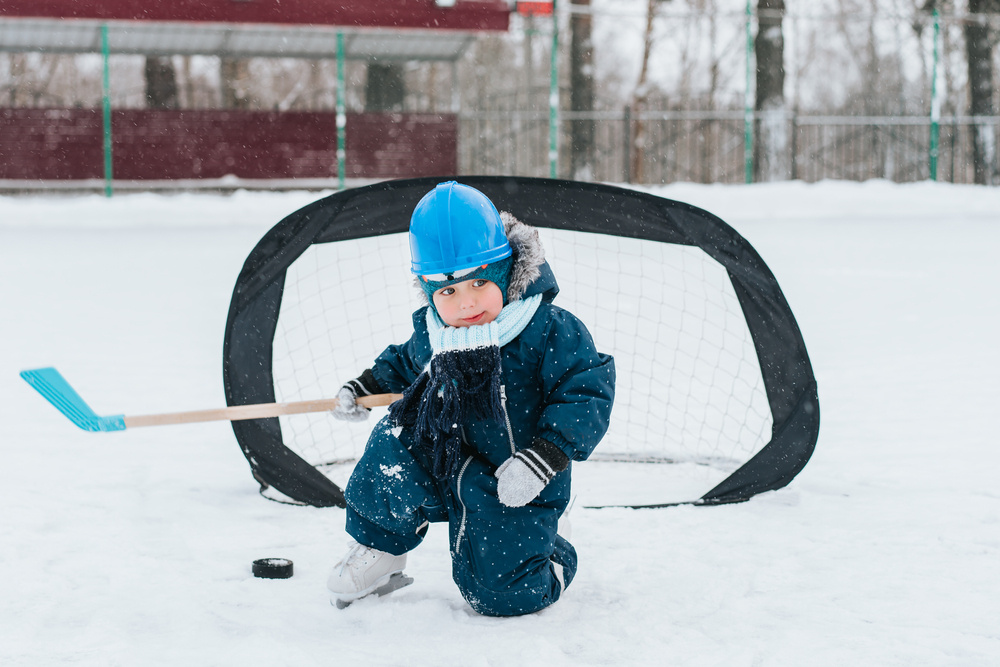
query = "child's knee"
x=521 y=597
x=394 y=539
x=389 y=491
x=531 y=586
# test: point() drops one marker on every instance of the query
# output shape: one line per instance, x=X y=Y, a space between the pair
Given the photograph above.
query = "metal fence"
x=709 y=147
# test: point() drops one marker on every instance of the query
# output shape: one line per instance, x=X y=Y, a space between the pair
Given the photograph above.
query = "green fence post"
x=935 y=100
x=554 y=97
x=341 y=114
x=748 y=103
x=106 y=104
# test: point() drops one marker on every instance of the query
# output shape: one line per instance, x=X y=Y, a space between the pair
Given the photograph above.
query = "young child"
x=501 y=390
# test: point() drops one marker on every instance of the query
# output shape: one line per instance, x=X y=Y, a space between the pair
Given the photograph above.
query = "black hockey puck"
x=272 y=568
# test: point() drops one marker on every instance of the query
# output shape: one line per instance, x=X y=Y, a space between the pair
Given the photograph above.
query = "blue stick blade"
x=53 y=387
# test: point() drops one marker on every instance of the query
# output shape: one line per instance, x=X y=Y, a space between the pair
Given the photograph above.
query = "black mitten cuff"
x=365 y=384
x=551 y=455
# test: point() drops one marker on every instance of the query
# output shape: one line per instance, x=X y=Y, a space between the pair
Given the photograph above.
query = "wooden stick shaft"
x=258 y=411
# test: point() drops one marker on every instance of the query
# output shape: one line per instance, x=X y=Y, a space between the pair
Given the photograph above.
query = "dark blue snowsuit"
x=557 y=386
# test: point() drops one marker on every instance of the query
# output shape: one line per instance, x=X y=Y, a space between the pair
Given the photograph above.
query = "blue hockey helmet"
x=455 y=227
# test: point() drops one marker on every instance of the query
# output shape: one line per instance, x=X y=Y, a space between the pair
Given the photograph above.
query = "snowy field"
x=135 y=548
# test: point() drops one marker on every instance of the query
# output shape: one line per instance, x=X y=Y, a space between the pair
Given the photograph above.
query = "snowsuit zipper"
x=461 y=473
x=506 y=419
x=458 y=495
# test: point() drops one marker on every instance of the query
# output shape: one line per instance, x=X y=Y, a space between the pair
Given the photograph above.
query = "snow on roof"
x=230 y=40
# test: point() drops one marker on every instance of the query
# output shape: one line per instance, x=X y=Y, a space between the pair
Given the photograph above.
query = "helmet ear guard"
x=455 y=227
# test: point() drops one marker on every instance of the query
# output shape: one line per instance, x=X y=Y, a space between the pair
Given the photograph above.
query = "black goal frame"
x=384 y=208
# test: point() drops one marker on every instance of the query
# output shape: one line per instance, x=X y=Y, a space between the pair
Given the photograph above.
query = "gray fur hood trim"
x=529 y=256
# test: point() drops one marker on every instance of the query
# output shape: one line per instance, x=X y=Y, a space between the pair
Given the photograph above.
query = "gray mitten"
x=348 y=408
x=523 y=476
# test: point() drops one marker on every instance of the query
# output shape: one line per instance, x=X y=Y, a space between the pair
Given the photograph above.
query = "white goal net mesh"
x=689 y=388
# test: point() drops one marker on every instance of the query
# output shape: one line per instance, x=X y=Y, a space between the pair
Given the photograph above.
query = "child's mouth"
x=473 y=320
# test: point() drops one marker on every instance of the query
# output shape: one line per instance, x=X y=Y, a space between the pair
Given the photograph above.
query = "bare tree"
x=640 y=96
x=234 y=79
x=771 y=156
x=979 y=42
x=17 y=71
x=161 y=83
x=581 y=94
x=34 y=80
x=385 y=89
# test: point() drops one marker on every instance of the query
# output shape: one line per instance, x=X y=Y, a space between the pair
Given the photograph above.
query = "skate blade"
x=394 y=583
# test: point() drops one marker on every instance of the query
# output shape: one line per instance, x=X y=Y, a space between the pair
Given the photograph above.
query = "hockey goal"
x=712 y=371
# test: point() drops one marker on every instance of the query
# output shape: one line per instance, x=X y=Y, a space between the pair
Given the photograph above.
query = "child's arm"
x=399 y=365
x=393 y=371
x=578 y=385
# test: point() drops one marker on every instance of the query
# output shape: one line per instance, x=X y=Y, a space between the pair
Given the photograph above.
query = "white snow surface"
x=135 y=548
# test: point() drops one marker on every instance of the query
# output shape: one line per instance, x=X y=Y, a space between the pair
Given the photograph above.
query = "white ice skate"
x=365 y=571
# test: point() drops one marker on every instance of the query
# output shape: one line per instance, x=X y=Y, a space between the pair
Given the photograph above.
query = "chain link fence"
x=710 y=147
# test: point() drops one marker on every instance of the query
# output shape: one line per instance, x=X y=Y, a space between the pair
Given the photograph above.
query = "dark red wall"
x=60 y=144
x=465 y=15
x=387 y=145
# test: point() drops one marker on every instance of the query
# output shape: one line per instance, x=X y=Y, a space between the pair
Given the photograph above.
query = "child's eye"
x=447 y=291
x=479 y=282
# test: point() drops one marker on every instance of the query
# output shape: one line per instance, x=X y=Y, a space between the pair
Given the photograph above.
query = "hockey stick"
x=57 y=391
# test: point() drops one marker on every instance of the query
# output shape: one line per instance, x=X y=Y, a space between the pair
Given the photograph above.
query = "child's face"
x=469 y=303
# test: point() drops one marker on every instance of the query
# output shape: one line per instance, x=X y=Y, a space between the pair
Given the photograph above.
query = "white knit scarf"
x=506 y=327
x=461 y=380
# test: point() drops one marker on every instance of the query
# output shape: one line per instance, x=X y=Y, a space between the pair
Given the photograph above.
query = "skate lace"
x=357 y=551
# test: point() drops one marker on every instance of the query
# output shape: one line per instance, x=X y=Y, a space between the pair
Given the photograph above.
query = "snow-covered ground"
x=134 y=548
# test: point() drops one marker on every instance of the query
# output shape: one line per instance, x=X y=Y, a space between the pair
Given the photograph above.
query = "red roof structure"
x=65 y=144
x=430 y=14
x=382 y=30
